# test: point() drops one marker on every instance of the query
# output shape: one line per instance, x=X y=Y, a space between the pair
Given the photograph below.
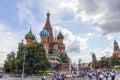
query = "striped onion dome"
x=30 y=35
x=44 y=32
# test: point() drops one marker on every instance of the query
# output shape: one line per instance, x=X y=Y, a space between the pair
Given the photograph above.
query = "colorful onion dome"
x=55 y=41
x=44 y=32
x=30 y=35
x=60 y=36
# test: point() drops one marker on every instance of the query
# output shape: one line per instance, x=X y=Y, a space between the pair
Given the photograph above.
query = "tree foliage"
x=35 y=59
x=10 y=62
x=107 y=62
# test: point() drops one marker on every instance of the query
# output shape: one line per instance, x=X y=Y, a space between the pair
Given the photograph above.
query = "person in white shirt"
x=101 y=76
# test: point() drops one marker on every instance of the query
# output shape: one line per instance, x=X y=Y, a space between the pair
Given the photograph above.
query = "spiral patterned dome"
x=44 y=32
x=60 y=36
x=30 y=35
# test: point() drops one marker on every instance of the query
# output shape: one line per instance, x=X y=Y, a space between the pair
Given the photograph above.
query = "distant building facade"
x=83 y=65
x=116 y=50
x=54 y=47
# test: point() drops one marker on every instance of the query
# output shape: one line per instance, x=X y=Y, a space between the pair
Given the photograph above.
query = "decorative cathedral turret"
x=49 y=28
x=55 y=46
x=60 y=38
x=55 y=43
x=44 y=34
x=29 y=37
x=116 y=47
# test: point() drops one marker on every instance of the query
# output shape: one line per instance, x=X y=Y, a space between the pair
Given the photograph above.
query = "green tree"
x=10 y=62
x=104 y=62
x=35 y=59
x=114 y=60
x=108 y=62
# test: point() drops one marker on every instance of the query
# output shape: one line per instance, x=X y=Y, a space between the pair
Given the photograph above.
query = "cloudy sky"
x=87 y=25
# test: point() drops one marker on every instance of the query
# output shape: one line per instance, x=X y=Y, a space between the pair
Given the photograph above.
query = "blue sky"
x=88 y=26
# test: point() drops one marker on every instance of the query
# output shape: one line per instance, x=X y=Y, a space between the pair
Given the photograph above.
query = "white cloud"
x=107 y=52
x=86 y=10
x=105 y=13
x=90 y=34
x=24 y=13
x=86 y=58
x=8 y=42
x=73 y=42
x=110 y=37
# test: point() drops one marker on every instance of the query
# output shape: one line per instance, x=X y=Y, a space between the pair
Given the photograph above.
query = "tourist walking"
x=43 y=77
x=101 y=76
x=112 y=74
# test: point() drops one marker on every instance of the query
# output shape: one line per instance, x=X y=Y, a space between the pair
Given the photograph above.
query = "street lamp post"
x=103 y=65
x=24 y=52
x=79 y=63
x=79 y=60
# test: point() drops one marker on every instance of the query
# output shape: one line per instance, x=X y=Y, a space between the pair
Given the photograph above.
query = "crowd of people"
x=56 y=76
x=96 y=75
x=99 y=74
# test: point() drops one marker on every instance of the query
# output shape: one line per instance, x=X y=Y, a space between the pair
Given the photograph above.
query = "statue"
x=93 y=57
x=64 y=58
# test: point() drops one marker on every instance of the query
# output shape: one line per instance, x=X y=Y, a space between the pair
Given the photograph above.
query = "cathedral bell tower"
x=55 y=46
x=48 y=27
x=116 y=47
x=60 y=38
x=44 y=34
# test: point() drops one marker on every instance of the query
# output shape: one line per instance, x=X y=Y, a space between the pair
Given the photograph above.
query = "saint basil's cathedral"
x=54 y=47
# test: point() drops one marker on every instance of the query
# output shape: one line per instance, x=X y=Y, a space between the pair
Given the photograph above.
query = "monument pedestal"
x=65 y=68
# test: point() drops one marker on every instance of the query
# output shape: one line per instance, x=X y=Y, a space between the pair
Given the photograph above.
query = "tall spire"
x=116 y=47
x=47 y=24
